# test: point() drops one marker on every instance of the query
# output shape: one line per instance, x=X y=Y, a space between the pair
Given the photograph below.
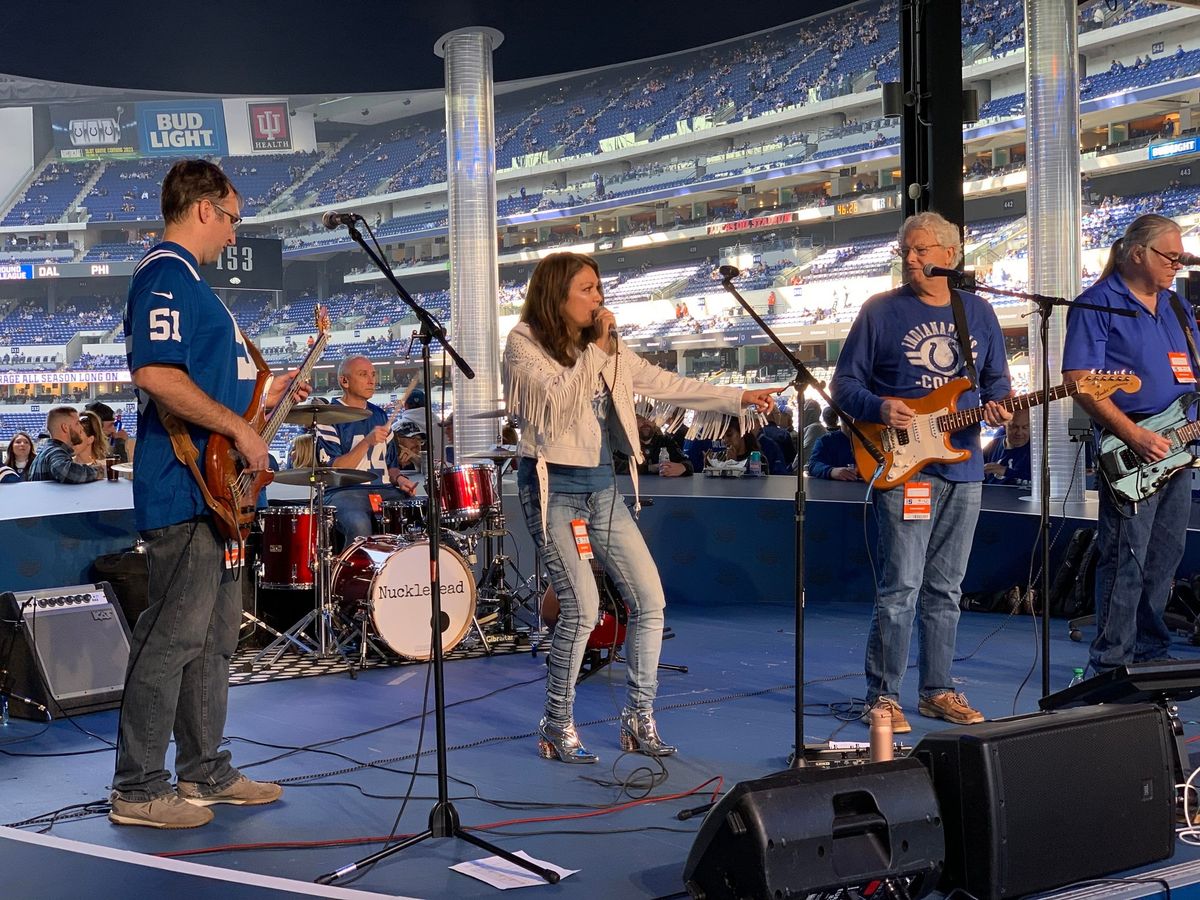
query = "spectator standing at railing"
x=19 y=456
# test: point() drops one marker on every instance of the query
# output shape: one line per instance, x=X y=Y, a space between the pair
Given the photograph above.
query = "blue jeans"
x=178 y=675
x=921 y=567
x=1138 y=554
x=621 y=549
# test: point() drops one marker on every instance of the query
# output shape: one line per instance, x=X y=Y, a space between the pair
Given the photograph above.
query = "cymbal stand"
x=323 y=644
x=493 y=582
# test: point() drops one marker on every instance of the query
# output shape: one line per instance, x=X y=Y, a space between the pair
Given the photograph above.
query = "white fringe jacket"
x=554 y=404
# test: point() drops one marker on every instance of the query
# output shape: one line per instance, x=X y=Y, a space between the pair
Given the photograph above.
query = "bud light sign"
x=182 y=129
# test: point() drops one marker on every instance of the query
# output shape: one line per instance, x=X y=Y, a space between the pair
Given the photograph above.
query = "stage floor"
x=345 y=748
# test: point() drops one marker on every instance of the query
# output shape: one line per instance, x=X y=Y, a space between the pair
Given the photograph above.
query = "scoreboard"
x=253 y=264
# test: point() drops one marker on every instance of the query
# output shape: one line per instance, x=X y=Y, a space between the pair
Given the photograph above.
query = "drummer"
x=365 y=445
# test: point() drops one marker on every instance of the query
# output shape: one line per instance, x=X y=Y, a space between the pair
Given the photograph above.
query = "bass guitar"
x=232 y=493
x=1129 y=476
x=906 y=451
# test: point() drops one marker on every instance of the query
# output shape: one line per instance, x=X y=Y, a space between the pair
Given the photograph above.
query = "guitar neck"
x=1188 y=433
x=280 y=413
x=963 y=418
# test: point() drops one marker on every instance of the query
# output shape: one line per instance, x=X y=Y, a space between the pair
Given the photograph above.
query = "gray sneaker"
x=168 y=811
x=242 y=792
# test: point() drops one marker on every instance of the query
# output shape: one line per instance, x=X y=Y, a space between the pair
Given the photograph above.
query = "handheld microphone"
x=728 y=273
x=332 y=220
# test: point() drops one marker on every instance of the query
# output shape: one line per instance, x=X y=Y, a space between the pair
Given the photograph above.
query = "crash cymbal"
x=329 y=477
x=324 y=414
x=491 y=414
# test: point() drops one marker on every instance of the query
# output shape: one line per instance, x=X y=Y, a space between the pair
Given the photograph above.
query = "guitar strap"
x=964 y=336
x=1177 y=305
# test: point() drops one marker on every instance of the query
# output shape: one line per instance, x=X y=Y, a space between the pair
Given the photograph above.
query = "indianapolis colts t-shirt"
x=335 y=440
x=173 y=318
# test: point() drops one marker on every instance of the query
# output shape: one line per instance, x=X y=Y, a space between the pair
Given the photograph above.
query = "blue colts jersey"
x=173 y=318
x=336 y=440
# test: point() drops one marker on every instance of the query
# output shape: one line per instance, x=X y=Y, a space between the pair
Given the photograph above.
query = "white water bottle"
x=664 y=456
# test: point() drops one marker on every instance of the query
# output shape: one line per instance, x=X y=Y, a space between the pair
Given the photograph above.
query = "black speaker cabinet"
x=63 y=648
x=811 y=833
x=1040 y=801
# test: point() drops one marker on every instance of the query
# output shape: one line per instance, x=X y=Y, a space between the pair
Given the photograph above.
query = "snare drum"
x=289 y=546
x=405 y=517
x=467 y=492
x=387 y=579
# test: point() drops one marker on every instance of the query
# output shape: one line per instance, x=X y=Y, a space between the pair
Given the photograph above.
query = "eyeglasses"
x=234 y=221
x=903 y=251
x=1174 y=261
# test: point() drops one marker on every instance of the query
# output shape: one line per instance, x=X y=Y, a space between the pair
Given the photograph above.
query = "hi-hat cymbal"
x=327 y=476
x=324 y=414
x=491 y=414
x=497 y=453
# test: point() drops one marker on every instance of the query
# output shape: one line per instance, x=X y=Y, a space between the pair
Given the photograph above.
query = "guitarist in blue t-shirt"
x=188 y=360
x=1139 y=544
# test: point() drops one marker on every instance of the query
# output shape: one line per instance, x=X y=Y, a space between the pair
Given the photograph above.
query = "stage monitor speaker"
x=820 y=833
x=1040 y=801
x=63 y=650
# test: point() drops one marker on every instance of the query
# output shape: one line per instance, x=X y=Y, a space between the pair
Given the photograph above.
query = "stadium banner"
x=174 y=128
x=618 y=142
x=81 y=376
x=94 y=130
x=756 y=222
x=270 y=127
x=252 y=264
x=1181 y=147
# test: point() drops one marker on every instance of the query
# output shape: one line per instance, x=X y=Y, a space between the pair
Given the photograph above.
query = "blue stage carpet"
x=731 y=715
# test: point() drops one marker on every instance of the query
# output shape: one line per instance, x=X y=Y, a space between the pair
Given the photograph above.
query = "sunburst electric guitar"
x=906 y=451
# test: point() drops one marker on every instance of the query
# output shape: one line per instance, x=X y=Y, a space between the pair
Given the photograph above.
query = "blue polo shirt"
x=1096 y=340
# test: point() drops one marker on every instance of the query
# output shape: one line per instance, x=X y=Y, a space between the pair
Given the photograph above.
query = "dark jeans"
x=1138 y=554
x=178 y=676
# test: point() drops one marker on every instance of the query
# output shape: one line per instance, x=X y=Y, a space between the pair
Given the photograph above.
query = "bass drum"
x=387 y=579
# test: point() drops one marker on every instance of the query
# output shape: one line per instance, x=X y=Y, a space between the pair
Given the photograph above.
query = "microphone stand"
x=443 y=817
x=1045 y=307
x=804 y=379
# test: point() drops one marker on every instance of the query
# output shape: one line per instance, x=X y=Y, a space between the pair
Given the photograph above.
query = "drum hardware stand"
x=322 y=612
x=443 y=817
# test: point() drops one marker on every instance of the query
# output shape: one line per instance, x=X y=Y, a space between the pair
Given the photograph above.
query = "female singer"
x=572 y=385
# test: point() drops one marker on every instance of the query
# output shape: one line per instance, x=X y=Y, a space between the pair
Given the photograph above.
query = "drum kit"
x=373 y=596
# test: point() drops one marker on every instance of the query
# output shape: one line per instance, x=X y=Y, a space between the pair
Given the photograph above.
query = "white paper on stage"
x=502 y=874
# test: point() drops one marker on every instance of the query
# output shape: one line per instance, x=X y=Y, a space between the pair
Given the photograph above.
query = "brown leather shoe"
x=899 y=723
x=168 y=811
x=951 y=706
x=242 y=792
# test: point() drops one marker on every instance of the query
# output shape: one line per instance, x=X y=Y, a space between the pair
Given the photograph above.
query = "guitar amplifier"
x=62 y=650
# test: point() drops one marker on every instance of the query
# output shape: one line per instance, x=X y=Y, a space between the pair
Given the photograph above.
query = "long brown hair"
x=1140 y=233
x=544 y=299
x=95 y=429
x=10 y=458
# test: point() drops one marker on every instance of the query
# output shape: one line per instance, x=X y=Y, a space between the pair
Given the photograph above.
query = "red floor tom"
x=289 y=546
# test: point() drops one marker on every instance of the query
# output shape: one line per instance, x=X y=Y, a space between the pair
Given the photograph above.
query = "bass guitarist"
x=188 y=358
x=1139 y=544
x=904 y=344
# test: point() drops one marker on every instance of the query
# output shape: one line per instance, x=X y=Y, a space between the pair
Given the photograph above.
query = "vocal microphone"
x=1189 y=259
x=332 y=220
x=728 y=273
x=932 y=271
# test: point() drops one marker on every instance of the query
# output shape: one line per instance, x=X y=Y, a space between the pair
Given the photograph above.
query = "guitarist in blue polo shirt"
x=187 y=359
x=1140 y=544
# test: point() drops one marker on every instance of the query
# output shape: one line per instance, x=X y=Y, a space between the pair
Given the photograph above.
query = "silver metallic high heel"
x=562 y=742
x=639 y=733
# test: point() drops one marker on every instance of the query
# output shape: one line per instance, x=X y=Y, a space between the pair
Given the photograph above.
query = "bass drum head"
x=401 y=605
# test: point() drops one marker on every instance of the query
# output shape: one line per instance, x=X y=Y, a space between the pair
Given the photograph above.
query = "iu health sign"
x=187 y=128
